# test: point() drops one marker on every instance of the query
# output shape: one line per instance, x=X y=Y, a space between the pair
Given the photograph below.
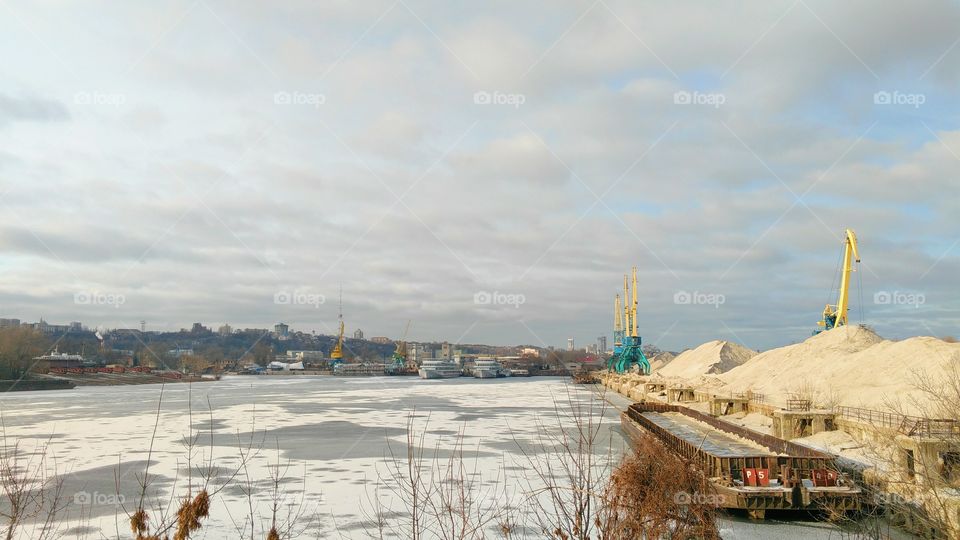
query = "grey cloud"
x=30 y=109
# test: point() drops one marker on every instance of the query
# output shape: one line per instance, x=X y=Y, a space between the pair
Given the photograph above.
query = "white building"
x=305 y=356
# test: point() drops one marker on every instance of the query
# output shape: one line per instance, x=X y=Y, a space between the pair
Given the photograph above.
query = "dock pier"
x=748 y=470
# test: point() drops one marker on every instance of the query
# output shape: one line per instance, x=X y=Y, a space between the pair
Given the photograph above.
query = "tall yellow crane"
x=836 y=315
x=337 y=354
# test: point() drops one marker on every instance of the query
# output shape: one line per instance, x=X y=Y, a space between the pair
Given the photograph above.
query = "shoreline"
x=69 y=382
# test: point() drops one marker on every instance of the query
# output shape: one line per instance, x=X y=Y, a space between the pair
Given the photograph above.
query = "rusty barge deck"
x=749 y=471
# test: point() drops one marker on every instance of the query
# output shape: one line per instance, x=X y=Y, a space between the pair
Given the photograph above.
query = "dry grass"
x=656 y=494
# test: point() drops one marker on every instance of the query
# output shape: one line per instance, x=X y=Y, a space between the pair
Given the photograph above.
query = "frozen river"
x=334 y=439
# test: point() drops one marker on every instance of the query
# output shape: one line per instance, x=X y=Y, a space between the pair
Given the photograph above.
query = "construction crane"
x=400 y=354
x=621 y=321
x=631 y=352
x=617 y=327
x=337 y=355
x=836 y=315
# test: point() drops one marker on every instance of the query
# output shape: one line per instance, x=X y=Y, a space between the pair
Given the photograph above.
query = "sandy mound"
x=839 y=443
x=755 y=421
x=711 y=357
x=660 y=359
x=849 y=366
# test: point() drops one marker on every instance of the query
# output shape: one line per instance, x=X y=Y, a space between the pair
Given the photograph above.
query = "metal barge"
x=749 y=471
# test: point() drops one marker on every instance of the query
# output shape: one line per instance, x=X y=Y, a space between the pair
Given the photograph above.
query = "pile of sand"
x=660 y=359
x=842 y=444
x=849 y=366
x=755 y=421
x=710 y=358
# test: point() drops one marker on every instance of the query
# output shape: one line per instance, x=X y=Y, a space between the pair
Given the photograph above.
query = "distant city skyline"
x=195 y=326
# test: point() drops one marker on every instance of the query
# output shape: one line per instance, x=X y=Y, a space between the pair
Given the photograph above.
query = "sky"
x=487 y=171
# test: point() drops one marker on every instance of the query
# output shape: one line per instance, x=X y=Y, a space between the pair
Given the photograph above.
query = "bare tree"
x=32 y=492
x=569 y=475
x=439 y=498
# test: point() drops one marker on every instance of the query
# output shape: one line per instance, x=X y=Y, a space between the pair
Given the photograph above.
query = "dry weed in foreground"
x=654 y=493
x=288 y=517
x=31 y=499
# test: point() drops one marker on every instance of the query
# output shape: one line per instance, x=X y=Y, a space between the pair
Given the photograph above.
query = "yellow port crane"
x=836 y=315
x=337 y=354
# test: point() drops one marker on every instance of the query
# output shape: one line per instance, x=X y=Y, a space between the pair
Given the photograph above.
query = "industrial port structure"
x=627 y=343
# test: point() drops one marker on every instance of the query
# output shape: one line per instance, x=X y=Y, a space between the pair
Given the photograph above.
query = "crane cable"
x=860 y=286
x=834 y=285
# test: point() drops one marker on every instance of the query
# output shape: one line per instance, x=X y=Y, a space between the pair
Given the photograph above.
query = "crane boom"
x=617 y=325
x=849 y=251
x=337 y=354
x=633 y=311
x=626 y=308
x=617 y=318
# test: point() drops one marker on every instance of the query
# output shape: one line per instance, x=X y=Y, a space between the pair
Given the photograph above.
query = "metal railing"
x=798 y=404
x=913 y=426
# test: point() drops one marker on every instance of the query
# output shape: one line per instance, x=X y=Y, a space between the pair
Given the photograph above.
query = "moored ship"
x=439 y=369
x=487 y=369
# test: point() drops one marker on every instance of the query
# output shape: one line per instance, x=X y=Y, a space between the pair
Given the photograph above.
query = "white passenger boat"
x=487 y=369
x=439 y=369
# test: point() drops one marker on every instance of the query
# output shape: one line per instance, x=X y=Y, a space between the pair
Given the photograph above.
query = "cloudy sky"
x=488 y=170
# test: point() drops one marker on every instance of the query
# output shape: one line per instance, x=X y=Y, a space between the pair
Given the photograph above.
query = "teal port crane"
x=630 y=349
